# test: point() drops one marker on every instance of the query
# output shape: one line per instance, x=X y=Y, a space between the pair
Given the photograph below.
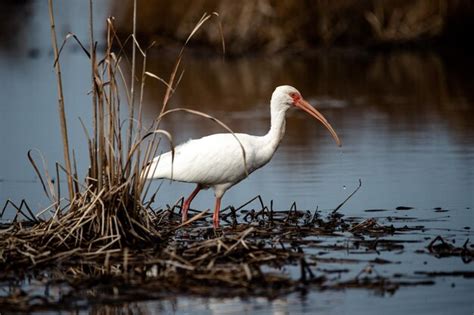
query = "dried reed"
x=260 y=252
x=106 y=210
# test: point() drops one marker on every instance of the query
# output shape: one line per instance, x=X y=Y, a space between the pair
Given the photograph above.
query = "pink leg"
x=187 y=203
x=215 y=217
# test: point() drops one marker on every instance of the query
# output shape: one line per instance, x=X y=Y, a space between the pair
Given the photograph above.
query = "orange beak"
x=301 y=103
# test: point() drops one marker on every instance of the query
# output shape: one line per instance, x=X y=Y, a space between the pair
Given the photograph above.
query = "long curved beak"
x=301 y=103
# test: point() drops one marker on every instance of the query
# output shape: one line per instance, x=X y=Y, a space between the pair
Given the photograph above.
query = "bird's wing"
x=210 y=160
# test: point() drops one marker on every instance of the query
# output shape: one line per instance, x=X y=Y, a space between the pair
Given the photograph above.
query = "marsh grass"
x=260 y=252
x=107 y=210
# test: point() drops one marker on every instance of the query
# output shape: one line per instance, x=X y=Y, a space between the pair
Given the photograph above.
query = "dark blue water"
x=405 y=120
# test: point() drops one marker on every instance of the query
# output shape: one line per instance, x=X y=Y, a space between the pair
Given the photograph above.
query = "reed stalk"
x=106 y=209
x=61 y=110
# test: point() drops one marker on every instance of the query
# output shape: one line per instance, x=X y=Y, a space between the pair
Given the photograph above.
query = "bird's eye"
x=295 y=96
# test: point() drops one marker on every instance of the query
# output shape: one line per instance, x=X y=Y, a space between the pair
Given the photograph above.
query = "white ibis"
x=217 y=162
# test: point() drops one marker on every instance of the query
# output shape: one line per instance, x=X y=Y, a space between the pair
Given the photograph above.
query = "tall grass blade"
x=62 y=111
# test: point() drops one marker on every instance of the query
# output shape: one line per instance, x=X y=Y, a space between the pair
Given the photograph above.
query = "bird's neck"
x=277 y=128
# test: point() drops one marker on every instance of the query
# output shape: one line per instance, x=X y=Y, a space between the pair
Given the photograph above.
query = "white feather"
x=212 y=160
x=217 y=160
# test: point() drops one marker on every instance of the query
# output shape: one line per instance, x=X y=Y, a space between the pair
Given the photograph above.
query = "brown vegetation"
x=105 y=211
x=263 y=25
x=259 y=251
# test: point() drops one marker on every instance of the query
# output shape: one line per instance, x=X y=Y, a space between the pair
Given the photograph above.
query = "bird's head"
x=285 y=97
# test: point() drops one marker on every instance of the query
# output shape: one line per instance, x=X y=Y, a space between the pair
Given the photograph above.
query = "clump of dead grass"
x=105 y=211
x=259 y=252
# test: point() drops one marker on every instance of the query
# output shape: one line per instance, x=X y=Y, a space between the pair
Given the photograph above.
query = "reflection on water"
x=278 y=306
x=405 y=119
x=324 y=302
x=13 y=15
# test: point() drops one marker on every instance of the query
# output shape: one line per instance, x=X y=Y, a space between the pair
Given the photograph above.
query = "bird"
x=222 y=160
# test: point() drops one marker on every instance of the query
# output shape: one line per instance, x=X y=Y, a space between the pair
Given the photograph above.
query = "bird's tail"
x=158 y=168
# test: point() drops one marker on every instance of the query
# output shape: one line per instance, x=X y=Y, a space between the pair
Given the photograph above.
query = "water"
x=406 y=137
x=405 y=120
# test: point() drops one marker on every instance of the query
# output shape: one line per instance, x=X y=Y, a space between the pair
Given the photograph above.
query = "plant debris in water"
x=442 y=248
x=259 y=252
